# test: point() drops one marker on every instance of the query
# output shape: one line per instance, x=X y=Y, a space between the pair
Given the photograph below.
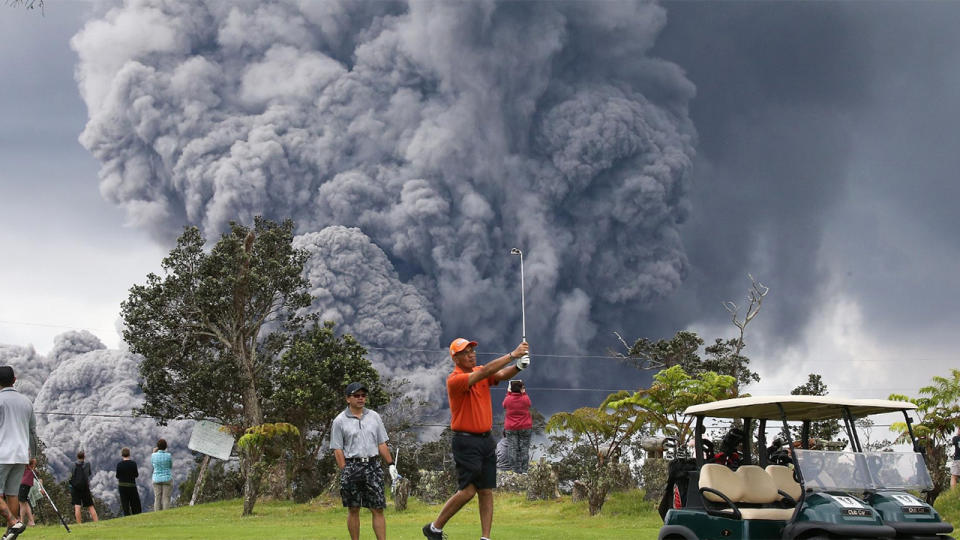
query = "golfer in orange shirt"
x=471 y=419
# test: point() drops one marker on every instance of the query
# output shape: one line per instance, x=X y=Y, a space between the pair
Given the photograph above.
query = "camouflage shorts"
x=361 y=485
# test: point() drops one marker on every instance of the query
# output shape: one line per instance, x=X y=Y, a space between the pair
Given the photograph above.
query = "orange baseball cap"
x=460 y=344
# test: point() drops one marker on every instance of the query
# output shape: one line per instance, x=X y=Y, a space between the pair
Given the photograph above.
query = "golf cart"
x=792 y=491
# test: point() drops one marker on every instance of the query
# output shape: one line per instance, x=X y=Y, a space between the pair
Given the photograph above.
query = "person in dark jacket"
x=80 y=495
x=518 y=424
x=127 y=474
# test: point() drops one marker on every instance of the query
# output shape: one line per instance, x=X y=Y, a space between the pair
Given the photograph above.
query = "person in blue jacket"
x=162 y=463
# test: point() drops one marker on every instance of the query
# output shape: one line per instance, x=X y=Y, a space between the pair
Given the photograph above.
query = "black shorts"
x=81 y=497
x=476 y=459
x=24 y=494
x=361 y=485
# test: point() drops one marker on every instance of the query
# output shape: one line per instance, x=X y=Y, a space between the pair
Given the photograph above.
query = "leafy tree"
x=939 y=417
x=604 y=430
x=223 y=480
x=681 y=350
x=670 y=393
x=304 y=387
x=199 y=326
x=402 y=417
x=268 y=445
x=724 y=357
x=827 y=430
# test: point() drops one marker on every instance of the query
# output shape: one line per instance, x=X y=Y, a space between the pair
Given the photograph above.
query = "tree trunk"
x=201 y=476
x=935 y=459
x=251 y=482
x=253 y=415
x=598 y=495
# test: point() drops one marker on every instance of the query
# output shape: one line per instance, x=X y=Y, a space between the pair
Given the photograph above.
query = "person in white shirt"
x=18 y=427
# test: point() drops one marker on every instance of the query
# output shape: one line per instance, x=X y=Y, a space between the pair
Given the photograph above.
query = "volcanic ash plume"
x=30 y=368
x=438 y=135
x=86 y=403
x=355 y=286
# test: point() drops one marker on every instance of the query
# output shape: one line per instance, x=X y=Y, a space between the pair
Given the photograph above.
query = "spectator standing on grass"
x=358 y=439
x=518 y=425
x=127 y=474
x=26 y=483
x=17 y=444
x=80 y=495
x=162 y=463
x=503 y=453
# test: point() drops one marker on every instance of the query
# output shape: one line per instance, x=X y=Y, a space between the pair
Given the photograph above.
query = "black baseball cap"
x=354 y=386
x=6 y=376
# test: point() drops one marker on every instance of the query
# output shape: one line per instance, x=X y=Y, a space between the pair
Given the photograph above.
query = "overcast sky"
x=824 y=162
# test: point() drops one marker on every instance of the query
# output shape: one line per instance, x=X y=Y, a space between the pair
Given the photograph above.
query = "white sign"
x=907 y=500
x=847 y=502
x=209 y=439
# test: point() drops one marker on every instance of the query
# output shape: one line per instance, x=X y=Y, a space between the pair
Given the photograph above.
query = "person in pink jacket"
x=517 y=424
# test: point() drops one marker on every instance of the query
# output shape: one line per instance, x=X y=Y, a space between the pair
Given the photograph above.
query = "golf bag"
x=679 y=474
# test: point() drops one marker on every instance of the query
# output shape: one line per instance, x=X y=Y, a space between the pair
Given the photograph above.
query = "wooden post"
x=201 y=476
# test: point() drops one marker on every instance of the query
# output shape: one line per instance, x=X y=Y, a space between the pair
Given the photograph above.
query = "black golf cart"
x=790 y=491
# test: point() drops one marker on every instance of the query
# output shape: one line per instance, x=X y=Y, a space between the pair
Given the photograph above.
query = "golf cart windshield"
x=825 y=470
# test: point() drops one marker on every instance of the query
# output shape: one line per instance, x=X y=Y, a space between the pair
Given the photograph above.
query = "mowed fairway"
x=625 y=516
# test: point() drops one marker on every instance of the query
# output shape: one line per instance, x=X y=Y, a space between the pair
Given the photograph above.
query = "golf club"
x=37 y=479
x=393 y=484
x=523 y=310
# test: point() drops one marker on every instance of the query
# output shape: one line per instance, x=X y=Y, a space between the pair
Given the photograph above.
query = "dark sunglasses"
x=358 y=395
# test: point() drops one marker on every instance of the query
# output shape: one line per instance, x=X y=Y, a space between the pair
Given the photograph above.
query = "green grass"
x=625 y=515
x=948 y=504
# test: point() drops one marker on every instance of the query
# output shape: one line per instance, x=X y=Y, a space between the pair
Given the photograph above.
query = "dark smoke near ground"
x=83 y=396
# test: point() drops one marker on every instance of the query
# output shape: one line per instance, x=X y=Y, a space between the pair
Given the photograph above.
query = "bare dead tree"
x=28 y=4
x=755 y=299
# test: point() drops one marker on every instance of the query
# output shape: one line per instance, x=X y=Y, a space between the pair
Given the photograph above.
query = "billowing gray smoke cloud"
x=355 y=286
x=442 y=134
x=88 y=384
x=30 y=368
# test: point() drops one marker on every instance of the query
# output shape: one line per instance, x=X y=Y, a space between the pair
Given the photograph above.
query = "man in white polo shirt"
x=357 y=437
x=17 y=445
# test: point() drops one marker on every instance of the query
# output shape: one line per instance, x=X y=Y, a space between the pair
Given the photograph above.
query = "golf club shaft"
x=59 y=515
x=523 y=310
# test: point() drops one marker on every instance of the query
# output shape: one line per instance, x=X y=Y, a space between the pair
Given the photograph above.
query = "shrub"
x=653 y=477
x=542 y=483
x=435 y=486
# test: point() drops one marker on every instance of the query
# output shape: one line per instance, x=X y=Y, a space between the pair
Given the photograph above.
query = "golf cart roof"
x=796 y=407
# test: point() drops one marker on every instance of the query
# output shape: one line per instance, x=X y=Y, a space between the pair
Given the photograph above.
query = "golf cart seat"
x=748 y=493
x=784 y=480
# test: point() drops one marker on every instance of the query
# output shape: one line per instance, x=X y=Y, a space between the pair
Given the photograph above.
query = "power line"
x=493 y=354
x=44 y=325
x=445 y=351
x=425 y=424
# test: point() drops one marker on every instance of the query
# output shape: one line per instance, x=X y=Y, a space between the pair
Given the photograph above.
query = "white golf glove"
x=523 y=362
x=393 y=472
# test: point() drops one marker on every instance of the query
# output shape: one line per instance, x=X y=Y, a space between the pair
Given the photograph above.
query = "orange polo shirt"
x=470 y=406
